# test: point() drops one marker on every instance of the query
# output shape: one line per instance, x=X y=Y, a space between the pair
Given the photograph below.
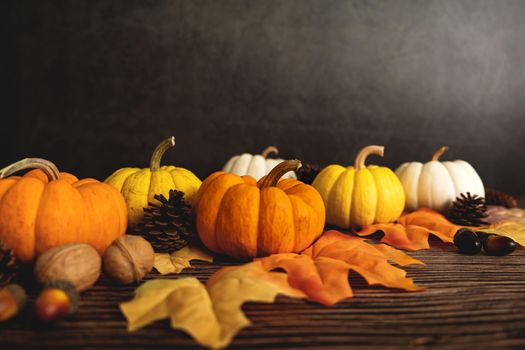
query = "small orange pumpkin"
x=242 y=218
x=46 y=208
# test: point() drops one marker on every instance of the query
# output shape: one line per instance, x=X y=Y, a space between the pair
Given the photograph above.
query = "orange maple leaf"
x=321 y=271
x=411 y=232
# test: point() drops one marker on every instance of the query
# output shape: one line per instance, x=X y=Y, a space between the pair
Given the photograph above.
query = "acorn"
x=467 y=241
x=498 y=245
x=58 y=299
x=12 y=299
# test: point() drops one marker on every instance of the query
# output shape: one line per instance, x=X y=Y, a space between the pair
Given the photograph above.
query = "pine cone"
x=307 y=173
x=494 y=197
x=167 y=224
x=8 y=265
x=468 y=210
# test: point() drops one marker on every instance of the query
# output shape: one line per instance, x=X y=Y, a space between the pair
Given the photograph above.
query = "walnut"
x=76 y=263
x=128 y=259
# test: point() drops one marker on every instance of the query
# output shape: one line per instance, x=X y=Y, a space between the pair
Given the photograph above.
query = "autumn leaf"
x=211 y=314
x=510 y=229
x=321 y=271
x=411 y=232
x=177 y=261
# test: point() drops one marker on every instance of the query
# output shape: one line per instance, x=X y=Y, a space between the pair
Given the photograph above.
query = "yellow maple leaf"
x=510 y=229
x=177 y=261
x=211 y=314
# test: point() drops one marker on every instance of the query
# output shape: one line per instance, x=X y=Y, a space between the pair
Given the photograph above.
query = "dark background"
x=94 y=85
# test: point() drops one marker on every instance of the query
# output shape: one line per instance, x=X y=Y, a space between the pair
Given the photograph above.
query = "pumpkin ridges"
x=37 y=174
x=104 y=225
x=185 y=181
x=249 y=180
x=256 y=167
x=161 y=182
x=441 y=191
x=120 y=204
x=475 y=181
x=312 y=198
x=19 y=208
x=62 y=217
x=204 y=188
x=340 y=199
x=69 y=178
x=391 y=197
x=118 y=177
x=237 y=219
x=5 y=184
x=305 y=223
x=364 y=198
x=287 y=184
x=241 y=164
x=326 y=179
x=276 y=222
x=136 y=191
x=209 y=208
x=408 y=172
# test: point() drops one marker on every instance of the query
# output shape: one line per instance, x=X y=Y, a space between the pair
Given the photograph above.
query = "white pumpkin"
x=255 y=165
x=436 y=184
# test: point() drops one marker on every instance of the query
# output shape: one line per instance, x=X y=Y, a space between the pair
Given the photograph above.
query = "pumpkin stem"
x=268 y=150
x=32 y=163
x=277 y=172
x=165 y=145
x=439 y=152
x=365 y=152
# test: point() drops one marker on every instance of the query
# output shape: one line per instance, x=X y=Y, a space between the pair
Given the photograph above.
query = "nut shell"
x=128 y=259
x=77 y=263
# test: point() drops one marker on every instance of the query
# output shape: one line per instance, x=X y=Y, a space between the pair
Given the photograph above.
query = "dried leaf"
x=509 y=229
x=211 y=314
x=321 y=271
x=411 y=232
x=177 y=261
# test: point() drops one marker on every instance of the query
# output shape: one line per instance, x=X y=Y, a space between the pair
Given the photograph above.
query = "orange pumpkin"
x=242 y=218
x=46 y=208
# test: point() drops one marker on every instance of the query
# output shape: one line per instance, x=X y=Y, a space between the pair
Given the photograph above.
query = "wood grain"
x=471 y=302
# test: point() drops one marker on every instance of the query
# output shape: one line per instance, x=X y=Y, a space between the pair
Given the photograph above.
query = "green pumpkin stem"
x=439 y=152
x=268 y=150
x=165 y=145
x=46 y=166
x=277 y=172
x=365 y=152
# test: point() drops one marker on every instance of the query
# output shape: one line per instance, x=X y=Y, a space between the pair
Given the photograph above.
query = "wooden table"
x=473 y=302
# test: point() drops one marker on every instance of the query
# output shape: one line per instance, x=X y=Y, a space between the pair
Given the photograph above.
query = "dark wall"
x=94 y=85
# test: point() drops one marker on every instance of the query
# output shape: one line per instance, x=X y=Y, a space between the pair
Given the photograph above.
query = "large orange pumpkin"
x=46 y=208
x=242 y=218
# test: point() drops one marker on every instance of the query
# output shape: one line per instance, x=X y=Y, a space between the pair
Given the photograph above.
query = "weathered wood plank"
x=471 y=301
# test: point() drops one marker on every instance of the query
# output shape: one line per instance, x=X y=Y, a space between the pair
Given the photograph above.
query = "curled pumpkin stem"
x=268 y=150
x=275 y=175
x=165 y=145
x=439 y=152
x=46 y=166
x=365 y=152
